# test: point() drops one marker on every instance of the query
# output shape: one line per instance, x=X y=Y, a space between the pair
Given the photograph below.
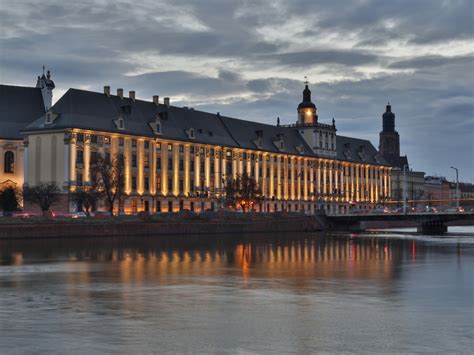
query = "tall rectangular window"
x=146 y=161
x=134 y=160
x=80 y=157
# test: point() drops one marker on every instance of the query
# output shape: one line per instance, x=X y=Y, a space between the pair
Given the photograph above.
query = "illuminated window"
x=146 y=161
x=170 y=147
x=107 y=140
x=158 y=146
x=9 y=162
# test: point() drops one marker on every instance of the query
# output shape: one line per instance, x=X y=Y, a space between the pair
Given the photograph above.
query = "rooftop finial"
x=306 y=82
x=43 y=69
x=278 y=121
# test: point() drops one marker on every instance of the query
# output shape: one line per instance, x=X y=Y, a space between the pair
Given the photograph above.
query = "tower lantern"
x=307 y=112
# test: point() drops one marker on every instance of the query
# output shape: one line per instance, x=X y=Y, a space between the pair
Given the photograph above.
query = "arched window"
x=9 y=161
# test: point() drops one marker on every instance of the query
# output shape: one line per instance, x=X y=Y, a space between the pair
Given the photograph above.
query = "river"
x=375 y=292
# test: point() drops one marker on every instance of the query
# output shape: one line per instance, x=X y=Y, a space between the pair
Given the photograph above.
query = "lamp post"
x=405 y=189
x=457 y=186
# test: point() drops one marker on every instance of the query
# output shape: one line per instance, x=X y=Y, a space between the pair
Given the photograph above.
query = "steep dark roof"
x=96 y=111
x=398 y=162
x=358 y=151
x=91 y=110
x=19 y=106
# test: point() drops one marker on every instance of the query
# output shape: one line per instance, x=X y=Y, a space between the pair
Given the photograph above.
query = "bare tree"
x=109 y=176
x=242 y=191
x=87 y=196
x=44 y=195
x=9 y=199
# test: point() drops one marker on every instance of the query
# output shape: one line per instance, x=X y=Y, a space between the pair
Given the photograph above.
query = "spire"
x=306 y=91
x=388 y=108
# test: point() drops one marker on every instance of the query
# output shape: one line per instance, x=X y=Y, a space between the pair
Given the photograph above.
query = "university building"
x=19 y=106
x=179 y=158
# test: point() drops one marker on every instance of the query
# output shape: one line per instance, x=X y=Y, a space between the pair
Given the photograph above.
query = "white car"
x=79 y=215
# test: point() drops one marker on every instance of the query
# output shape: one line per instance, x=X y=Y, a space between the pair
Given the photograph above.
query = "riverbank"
x=177 y=224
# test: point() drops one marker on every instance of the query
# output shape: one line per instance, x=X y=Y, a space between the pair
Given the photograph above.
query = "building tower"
x=46 y=85
x=389 y=144
x=307 y=109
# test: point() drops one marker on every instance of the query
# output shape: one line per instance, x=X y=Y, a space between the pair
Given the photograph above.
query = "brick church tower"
x=389 y=144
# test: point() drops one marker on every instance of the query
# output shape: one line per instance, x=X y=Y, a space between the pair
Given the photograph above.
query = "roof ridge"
x=228 y=130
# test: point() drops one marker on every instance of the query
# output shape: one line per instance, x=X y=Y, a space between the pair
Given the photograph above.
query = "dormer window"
x=120 y=123
x=50 y=117
x=156 y=125
x=190 y=133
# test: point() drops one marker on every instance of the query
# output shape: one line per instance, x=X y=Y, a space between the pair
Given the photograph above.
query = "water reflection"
x=239 y=294
x=287 y=257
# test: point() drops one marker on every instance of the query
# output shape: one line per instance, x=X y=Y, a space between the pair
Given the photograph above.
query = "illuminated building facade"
x=179 y=158
x=19 y=106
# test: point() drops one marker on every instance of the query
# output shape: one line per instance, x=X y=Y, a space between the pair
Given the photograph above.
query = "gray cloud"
x=246 y=59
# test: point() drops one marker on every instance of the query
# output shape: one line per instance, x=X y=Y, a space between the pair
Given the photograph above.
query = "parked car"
x=454 y=210
x=381 y=210
x=79 y=215
x=431 y=209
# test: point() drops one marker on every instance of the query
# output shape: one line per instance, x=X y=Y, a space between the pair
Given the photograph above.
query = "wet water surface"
x=382 y=292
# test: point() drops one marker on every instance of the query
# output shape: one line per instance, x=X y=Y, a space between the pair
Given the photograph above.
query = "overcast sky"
x=248 y=59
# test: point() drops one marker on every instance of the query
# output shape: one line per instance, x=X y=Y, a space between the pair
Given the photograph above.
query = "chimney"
x=167 y=101
x=120 y=93
x=156 y=99
x=131 y=95
x=107 y=90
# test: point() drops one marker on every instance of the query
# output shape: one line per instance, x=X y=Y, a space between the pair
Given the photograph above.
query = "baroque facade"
x=19 y=106
x=179 y=158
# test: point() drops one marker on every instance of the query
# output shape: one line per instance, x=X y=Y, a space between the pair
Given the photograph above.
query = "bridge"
x=428 y=223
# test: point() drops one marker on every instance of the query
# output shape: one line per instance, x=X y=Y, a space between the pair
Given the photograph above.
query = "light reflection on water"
x=384 y=292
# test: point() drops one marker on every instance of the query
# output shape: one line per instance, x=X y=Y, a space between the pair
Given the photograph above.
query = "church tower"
x=319 y=136
x=389 y=144
x=47 y=86
x=307 y=109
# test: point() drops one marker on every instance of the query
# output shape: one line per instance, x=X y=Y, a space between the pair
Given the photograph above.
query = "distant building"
x=19 y=106
x=415 y=185
x=179 y=158
x=438 y=192
x=466 y=192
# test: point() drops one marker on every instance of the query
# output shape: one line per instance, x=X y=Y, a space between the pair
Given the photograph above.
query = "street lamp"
x=457 y=186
